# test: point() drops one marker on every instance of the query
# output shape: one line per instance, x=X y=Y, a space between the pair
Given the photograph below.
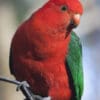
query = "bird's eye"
x=64 y=8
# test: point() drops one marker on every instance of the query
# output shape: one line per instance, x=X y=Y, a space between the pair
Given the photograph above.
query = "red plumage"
x=39 y=48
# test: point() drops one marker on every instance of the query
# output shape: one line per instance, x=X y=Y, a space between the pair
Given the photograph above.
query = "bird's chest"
x=57 y=80
x=45 y=47
x=56 y=74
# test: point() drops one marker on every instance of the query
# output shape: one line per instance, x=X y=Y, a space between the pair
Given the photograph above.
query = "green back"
x=74 y=63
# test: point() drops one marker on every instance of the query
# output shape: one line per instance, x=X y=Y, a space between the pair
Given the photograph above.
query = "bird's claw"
x=22 y=84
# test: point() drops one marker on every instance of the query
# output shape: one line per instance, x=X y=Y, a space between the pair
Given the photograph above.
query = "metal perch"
x=24 y=87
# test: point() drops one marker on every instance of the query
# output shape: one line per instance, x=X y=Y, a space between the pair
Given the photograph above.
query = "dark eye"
x=64 y=8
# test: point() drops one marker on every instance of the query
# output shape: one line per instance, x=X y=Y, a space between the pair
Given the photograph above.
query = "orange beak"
x=74 y=22
x=76 y=19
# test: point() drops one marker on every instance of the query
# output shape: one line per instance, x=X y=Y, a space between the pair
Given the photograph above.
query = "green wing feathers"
x=74 y=62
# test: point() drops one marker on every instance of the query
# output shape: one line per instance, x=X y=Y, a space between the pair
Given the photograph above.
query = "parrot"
x=47 y=53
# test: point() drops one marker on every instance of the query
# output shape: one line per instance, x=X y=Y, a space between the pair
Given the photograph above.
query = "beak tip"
x=76 y=19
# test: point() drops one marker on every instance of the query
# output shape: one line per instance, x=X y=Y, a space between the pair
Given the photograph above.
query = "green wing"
x=74 y=64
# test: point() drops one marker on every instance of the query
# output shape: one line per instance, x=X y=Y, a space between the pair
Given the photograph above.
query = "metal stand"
x=24 y=87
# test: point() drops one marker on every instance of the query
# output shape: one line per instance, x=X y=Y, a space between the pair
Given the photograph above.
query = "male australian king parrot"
x=47 y=53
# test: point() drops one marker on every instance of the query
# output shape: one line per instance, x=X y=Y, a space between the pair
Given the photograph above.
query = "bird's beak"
x=75 y=20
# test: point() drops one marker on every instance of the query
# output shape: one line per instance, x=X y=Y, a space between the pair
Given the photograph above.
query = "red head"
x=49 y=26
x=58 y=16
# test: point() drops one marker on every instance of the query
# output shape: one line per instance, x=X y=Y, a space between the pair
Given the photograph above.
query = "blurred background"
x=14 y=12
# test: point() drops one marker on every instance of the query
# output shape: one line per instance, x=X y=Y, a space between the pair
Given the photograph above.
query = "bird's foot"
x=22 y=84
x=31 y=96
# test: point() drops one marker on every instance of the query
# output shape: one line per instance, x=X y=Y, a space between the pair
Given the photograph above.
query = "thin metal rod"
x=4 y=79
x=24 y=87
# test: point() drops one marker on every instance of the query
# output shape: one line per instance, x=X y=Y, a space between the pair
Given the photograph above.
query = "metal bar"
x=24 y=87
x=4 y=79
x=20 y=85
